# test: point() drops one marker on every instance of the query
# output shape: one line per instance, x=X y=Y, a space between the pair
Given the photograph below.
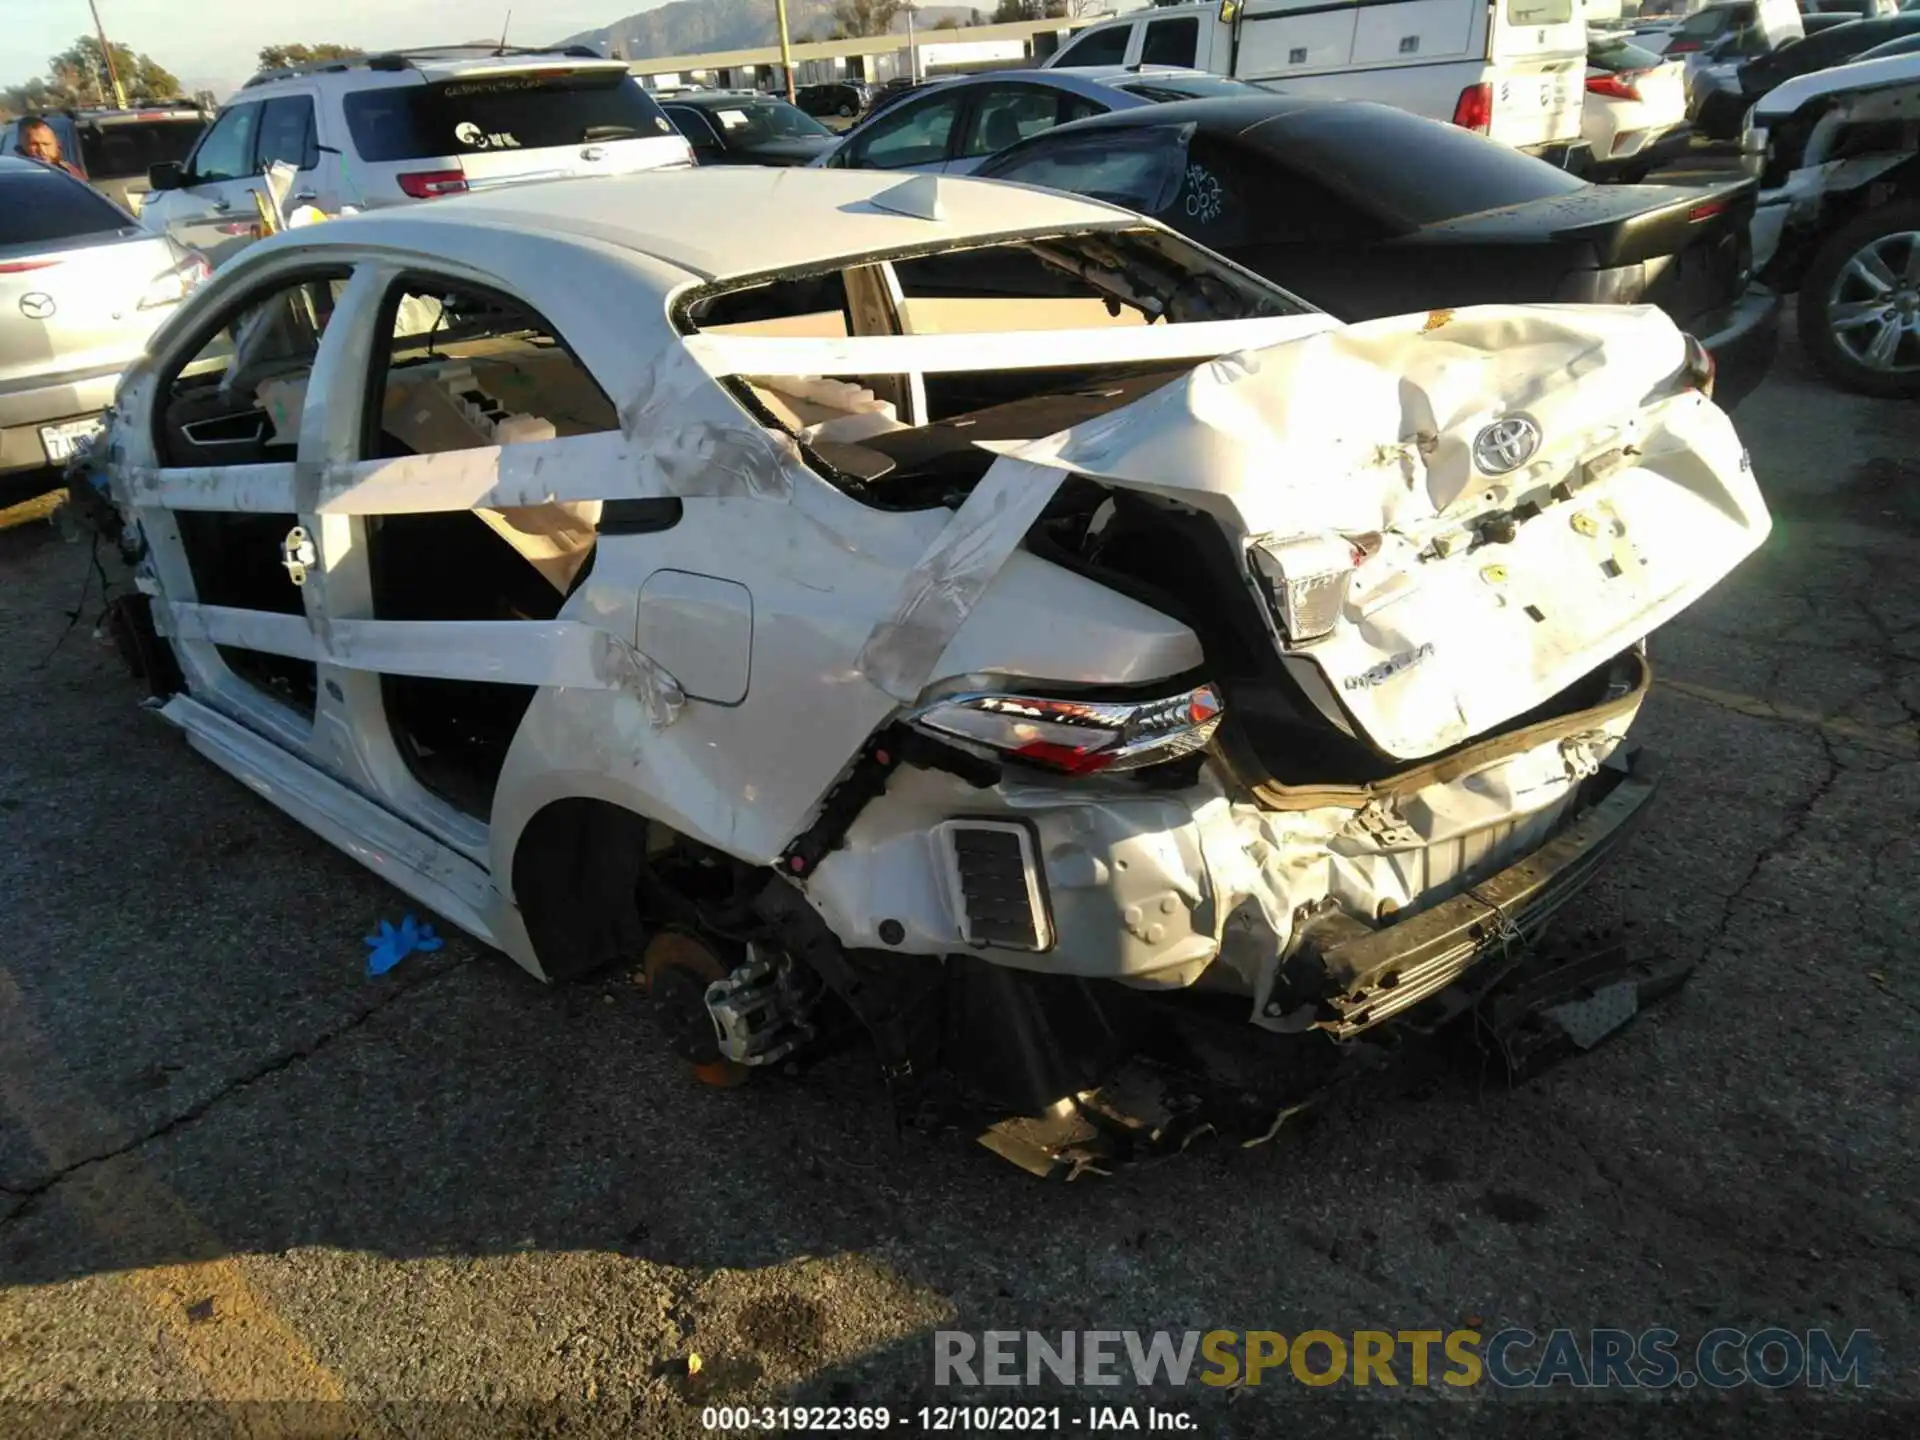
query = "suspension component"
x=760 y=1010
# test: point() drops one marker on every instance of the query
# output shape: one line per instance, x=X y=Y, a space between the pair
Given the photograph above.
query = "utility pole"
x=106 y=53
x=913 y=54
x=786 y=47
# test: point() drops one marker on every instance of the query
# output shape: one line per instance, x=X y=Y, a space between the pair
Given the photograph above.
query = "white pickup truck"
x=1511 y=69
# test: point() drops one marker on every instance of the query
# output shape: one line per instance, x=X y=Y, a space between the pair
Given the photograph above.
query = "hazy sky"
x=205 y=40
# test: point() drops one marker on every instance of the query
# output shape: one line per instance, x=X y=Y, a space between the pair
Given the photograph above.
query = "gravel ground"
x=233 y=1169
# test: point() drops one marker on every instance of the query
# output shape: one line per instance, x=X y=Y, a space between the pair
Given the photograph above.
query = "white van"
x=1512 y=69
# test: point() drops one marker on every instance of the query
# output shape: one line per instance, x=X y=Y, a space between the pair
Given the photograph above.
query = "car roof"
x=360 y=73
x=1232 y=115
x=1083 y=78
x=18 y=167
x=719 y=99
x=21 y=165
x=689 y=219
x=160 y=110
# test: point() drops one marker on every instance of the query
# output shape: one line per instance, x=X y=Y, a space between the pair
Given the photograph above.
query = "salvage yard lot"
x=234 y=1168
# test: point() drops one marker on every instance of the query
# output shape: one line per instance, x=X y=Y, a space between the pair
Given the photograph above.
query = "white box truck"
x=1511 y=69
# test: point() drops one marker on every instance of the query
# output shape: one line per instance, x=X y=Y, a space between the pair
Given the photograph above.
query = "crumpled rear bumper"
x=1380 y=974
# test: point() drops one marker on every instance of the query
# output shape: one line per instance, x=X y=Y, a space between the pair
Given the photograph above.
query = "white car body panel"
x=1870 y=91
x=1619 y=129
x=1862 y=75
x=855 y=614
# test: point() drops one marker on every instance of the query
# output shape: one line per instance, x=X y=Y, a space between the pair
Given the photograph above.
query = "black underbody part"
x=129 y=620
x=1201 y=1072
x=866 y=781
x=892 y=1000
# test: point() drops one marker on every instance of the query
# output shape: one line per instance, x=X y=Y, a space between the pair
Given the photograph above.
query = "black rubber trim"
x=640 y=517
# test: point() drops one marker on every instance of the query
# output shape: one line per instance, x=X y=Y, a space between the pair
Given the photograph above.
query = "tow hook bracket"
x=1380 y=819
x=760 y=1010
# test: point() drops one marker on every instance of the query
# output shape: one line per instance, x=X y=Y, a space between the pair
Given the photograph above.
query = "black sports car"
x=1365 y=211
x=845 y=98
x=743 y=129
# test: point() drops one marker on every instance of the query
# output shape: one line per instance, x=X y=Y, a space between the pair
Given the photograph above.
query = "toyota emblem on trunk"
x=37 y=306
x=1506 y=445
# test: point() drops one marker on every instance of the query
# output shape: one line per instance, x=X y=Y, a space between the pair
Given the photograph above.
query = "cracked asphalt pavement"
x=234 y=1169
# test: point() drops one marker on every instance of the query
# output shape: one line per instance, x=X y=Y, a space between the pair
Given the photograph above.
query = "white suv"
x=416 y=125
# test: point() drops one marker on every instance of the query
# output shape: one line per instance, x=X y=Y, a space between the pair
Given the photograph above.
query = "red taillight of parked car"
x=431 y=184
x=1474 y=109
x=1615 y=87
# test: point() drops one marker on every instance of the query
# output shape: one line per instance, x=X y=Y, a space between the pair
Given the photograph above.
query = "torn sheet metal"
x=1152 y=888
x=561 y=654
x=1473 y=596
x=693 y=439
x=947 y=581
x=1371 y=426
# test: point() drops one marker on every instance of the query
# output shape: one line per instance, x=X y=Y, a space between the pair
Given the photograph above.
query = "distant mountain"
x=693 y=27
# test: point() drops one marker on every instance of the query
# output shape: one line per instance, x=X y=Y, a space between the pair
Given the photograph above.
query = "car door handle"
x=593 y=152
x=221 y=203
x=302 y=197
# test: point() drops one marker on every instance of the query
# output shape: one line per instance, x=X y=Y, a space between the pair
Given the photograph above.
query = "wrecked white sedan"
x=967 y=616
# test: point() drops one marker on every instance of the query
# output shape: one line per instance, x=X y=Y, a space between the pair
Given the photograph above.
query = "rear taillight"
x=1681 y=47
x=1076 y=737
x=1615 y=87
x=1306 y=579
x=1474 y=109
x=20 y=267
x=431 y=184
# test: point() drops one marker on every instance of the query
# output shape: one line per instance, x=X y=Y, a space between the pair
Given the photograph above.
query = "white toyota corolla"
x=970 y=611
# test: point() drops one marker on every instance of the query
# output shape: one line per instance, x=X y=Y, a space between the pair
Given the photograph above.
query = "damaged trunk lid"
x=1448 y=519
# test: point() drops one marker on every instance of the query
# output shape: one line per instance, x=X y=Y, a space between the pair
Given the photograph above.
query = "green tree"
x=865 y=17
x=279 y=57
x=81 y=69
x=77 y=76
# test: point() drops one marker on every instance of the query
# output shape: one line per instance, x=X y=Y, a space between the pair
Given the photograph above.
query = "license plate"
x=60 y=441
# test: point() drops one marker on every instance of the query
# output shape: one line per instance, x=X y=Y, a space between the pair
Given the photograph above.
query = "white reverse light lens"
x=1306 y=579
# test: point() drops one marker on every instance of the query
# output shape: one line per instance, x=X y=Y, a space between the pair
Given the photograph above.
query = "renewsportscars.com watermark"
x=1722 y=1359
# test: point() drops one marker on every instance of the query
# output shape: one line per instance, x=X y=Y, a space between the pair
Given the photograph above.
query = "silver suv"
x=81 y=289
x=400 y=127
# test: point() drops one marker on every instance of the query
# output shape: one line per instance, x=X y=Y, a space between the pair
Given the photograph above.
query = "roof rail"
x=403 y=59
x=485 y=49
x=306 y=67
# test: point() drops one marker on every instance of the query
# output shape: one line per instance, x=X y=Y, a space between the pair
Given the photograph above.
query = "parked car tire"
x=845 y=112
x=1840 y=319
